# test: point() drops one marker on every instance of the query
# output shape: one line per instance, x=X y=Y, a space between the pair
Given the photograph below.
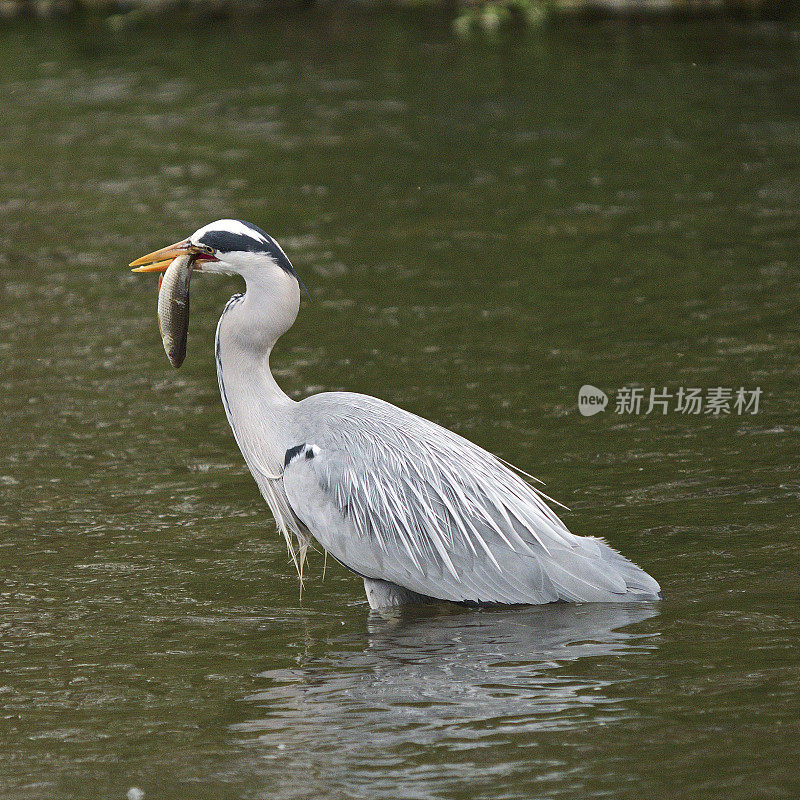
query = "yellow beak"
x=159 y=260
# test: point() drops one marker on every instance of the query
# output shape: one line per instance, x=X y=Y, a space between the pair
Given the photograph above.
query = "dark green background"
x=484 y=227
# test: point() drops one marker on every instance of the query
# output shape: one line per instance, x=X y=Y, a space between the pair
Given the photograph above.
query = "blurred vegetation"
x=470 y=17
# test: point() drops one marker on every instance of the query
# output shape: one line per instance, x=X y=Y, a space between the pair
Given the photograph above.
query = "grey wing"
x=397 y=498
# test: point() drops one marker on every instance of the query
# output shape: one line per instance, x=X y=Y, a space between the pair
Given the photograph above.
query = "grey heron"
x=416 y=510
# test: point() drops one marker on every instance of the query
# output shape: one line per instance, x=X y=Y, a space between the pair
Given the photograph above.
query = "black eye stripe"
x=227 y=242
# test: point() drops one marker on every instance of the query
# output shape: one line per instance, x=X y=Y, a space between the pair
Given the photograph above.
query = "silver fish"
x=173 y=308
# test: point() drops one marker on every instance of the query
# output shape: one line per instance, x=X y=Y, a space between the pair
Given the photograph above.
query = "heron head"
x=227 y=246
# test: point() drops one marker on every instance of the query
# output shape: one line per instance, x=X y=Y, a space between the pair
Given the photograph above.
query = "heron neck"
x=249 y=328
x=258 y=410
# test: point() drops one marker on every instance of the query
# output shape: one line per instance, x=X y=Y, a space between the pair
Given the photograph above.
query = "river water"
x=484 y=227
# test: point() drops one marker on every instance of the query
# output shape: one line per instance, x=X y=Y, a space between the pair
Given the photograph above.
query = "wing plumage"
x=398 y=498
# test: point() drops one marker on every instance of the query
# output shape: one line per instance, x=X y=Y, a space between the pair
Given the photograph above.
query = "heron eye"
x=206 y=249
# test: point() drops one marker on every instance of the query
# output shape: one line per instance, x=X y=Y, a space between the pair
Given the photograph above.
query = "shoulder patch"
x=300 y=451
x=292 y=454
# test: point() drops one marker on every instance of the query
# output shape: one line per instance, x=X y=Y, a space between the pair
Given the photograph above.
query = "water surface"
x=484 y=228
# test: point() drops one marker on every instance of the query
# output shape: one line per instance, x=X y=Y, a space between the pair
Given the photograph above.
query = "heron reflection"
x=425 y=671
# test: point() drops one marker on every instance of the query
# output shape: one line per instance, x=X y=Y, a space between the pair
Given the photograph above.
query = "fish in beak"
x=173 y=307
x=176 y=262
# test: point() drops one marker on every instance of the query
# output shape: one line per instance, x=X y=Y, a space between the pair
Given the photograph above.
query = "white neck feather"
x=260 y=414
x=257 y=408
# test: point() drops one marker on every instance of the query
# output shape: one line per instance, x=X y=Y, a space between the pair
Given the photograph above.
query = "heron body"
x=416 y=510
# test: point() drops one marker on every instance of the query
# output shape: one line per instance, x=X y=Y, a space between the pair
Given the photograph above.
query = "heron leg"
x=383 y=594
